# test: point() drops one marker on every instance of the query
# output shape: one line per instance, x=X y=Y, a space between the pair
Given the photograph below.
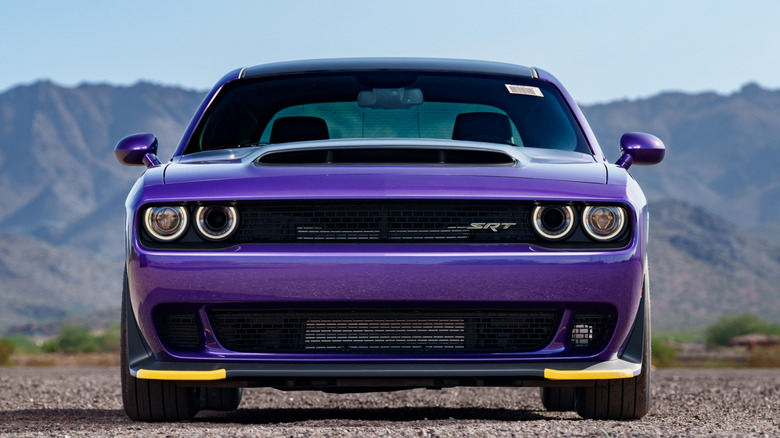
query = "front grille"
x=383 y=332
x=385 y=221
x=179 y=331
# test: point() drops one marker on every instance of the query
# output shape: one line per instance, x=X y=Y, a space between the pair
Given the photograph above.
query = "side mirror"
x=138 y=150
x=640 y=148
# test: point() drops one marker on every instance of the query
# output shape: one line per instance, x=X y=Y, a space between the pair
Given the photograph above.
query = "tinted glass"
x=521 y=112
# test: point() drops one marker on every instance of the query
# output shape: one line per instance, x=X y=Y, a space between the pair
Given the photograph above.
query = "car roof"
x=387 y=64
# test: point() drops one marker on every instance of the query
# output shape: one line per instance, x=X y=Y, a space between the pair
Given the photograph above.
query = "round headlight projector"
x=216 y=222
x=165 y=223
x=603 y=222
x=553 y=222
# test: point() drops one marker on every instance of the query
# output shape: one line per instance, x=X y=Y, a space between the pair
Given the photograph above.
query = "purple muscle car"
x=380 y=224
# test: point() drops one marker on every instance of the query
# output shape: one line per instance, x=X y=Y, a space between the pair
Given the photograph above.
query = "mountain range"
x=715 y=200
x=40 y=282
x=59 y=179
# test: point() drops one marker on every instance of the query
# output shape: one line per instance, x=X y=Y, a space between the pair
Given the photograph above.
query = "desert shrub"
x=73 y=339
x=664 y=355
x=23 y=343
x=729 y=326
x=764 y=358
x=76 y=339
x=7 y=348
x=109 y=341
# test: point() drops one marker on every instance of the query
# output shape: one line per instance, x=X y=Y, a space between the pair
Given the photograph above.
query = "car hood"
x=238 y=168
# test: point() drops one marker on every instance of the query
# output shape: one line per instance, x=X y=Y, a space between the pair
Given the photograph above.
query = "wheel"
x=620 y=399
x=220 y=399
x=557 y=399
x=151 y=400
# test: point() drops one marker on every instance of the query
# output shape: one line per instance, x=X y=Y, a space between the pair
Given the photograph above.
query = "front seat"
x=299 y=128
x=485 y=127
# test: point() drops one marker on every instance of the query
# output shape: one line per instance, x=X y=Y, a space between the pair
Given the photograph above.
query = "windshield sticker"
x=524 y=90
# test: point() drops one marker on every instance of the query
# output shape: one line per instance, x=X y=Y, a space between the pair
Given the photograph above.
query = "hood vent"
x=341 y=156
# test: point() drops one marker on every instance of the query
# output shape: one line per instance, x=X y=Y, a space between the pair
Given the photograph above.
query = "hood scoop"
x=387 y=155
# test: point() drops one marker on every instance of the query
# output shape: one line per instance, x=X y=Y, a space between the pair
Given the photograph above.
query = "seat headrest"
x=287 y=129
x=487 y=127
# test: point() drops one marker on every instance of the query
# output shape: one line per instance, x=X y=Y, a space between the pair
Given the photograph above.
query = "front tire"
x=151 y=400
x=220 y=399
x=557 y=399
x=620 y=399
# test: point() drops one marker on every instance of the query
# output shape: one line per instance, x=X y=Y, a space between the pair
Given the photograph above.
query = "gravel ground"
x=86 y=401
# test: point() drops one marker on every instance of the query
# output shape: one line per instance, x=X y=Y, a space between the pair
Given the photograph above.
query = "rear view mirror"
x=641 y=149
x=390 y=98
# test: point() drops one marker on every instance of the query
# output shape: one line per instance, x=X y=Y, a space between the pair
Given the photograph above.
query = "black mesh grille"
x=180 y=331
x=591 y=330
x=367 y=332
x=385 y=221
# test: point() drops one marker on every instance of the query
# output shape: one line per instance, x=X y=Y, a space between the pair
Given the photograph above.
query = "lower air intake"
x=384 y=332
x=180 y=331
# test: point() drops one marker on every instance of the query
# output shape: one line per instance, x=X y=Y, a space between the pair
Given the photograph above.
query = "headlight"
x=553 y=222
x=603 y=222
x=165 y=223
x=216 y=222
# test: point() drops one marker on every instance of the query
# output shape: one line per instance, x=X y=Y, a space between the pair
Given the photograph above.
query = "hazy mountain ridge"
x=39 y=282
x=67 y=171
x=62 y=185
x=702 y=266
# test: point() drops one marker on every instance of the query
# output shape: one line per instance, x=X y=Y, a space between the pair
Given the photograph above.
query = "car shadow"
x=410 y=414
x=68 y=418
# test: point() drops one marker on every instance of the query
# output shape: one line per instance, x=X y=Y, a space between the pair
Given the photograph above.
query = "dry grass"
x=65 y=360
x=764 y=358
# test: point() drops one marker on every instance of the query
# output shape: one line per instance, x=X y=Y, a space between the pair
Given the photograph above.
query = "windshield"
x=520 y=112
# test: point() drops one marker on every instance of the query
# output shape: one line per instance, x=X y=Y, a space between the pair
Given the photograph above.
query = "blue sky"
x=600 y=50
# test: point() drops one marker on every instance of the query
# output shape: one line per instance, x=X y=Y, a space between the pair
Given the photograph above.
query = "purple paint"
x=133 y=150
x=641 y=149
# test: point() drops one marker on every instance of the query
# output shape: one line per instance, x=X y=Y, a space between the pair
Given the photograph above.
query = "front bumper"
x=361 y=375
x=406 y=275
x=614 y=369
